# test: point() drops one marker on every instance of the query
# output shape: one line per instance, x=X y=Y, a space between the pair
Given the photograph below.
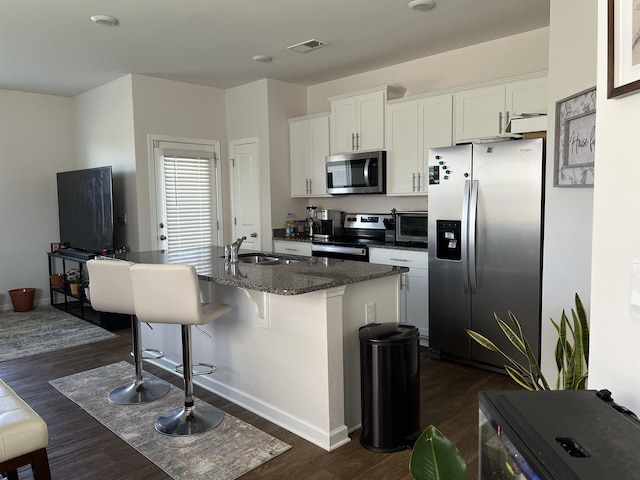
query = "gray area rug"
x=224 y=453
x=44 y=329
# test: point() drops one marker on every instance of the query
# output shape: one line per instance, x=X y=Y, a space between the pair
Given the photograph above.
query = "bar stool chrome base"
x=189 y=420
x=139 y=392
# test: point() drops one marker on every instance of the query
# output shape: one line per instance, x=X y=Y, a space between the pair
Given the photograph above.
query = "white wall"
x=285 y=101
x=261 y=109
x=165 y=107
x=37 y=138
x=506 y=57
x=615 y=325
x=105 y=137
x=569 y=211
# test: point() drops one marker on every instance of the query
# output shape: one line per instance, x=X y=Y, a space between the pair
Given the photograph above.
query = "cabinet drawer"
x=292 y=248
x=402 y=258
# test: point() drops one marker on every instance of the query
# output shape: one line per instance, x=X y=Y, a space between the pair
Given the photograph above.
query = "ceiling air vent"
x=307 y=46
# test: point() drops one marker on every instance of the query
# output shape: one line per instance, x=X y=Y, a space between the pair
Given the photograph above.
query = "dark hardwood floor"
x=81 y=448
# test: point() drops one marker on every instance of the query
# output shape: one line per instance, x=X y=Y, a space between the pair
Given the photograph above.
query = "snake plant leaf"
x=525 y=381
x=582 y=318
x=511 y=335
x=484 y=341
x=435 y=457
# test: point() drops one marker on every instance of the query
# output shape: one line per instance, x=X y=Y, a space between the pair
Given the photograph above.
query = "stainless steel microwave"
x=361 y=172
x=412 y=226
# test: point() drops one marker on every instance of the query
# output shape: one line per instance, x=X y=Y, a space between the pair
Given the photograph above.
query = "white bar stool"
x=171 y=294
x=111 y=291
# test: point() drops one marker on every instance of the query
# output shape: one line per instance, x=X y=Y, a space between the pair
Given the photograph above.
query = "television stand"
x=77 y=304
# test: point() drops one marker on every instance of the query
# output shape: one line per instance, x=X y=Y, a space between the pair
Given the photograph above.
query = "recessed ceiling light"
x=422 y=5
x=261 y=58
x=304 y=47
x=106 y=20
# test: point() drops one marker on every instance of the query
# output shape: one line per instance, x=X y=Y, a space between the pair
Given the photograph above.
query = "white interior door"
x=245 y=197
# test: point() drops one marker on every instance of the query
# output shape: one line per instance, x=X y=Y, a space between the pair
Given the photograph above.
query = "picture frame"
x=623 y=47
x=575 y=140
x=55 y=246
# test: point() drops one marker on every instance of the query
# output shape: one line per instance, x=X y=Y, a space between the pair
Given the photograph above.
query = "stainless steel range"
x=360 y=231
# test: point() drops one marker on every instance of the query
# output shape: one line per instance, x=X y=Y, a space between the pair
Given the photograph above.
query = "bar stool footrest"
x=210 y=369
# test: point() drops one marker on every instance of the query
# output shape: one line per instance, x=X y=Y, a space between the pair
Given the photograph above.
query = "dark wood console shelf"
x=78 y=305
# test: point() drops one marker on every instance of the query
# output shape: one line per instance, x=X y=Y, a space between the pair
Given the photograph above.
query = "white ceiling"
x=52 y=47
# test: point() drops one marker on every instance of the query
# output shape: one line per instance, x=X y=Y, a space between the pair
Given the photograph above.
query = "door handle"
x=464 y=234
x=473 y=216
x=163 y=237
x=254 y=235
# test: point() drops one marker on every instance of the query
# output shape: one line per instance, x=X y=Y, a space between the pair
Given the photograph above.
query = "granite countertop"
x=306 y=274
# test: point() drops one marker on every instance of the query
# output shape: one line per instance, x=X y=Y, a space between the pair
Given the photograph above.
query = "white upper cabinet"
x=309 y=147
x=412 y=128
x=357 y=120
x=485 y=111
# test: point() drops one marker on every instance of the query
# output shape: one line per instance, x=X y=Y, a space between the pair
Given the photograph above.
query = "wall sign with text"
x=575 y=140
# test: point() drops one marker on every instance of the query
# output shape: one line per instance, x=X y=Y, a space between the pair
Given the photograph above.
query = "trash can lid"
x=388 y=332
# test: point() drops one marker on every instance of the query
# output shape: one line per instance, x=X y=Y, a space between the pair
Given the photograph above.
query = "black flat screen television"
x=85 y=209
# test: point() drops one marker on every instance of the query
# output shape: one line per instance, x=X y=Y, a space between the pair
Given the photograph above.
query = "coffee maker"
x=329 y=224
x=310 y=221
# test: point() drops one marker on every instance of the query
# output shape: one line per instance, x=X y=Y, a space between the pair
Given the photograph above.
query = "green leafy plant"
x=571 y=353
x=435 y=457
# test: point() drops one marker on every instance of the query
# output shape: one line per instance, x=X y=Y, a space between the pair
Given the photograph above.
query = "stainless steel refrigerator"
x=485 y=245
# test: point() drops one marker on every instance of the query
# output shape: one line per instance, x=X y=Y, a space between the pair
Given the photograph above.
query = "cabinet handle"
x=419 y=182
x=499 y=122
x=353 y=141
x=310 y=186
x=357 y=141
x=399 y=260
x=306 y=182
x=413 y=181
x=506 y=122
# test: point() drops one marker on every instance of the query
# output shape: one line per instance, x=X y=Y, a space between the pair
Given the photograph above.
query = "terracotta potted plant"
x=57 y=280
x=22 y=299
x=74 y=279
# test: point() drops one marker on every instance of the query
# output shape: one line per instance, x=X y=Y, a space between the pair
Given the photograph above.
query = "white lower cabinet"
x=292 y=248
x=414 y=285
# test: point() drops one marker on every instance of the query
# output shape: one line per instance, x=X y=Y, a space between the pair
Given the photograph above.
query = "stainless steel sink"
x=257 y=258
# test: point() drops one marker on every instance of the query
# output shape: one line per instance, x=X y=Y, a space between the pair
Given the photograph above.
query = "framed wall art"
x=623 y=47
x=575 y=140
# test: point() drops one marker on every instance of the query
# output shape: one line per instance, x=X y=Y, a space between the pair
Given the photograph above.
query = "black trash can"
x=390 y=386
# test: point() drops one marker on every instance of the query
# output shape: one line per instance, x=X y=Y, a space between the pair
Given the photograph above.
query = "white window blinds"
x=188 y=184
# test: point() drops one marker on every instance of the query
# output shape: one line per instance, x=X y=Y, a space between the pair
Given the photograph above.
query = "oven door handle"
x=339 y=249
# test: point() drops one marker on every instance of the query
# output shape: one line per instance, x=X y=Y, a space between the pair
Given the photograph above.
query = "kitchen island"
x=289 y=349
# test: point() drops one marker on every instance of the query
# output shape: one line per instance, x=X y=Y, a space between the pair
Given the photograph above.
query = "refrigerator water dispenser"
x=448 y=241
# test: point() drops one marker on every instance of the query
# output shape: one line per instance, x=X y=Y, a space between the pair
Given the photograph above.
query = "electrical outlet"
x=370 y=313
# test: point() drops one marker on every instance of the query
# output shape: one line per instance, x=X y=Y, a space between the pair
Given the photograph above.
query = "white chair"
x=23 y=437
x=171 y=294
x=111 y=291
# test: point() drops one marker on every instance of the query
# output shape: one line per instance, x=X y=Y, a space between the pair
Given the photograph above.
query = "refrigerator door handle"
x=464 y=234
x=473 y=215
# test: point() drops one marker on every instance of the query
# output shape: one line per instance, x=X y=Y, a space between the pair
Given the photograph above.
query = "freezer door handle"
x=473 y=215
x=464 y=234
